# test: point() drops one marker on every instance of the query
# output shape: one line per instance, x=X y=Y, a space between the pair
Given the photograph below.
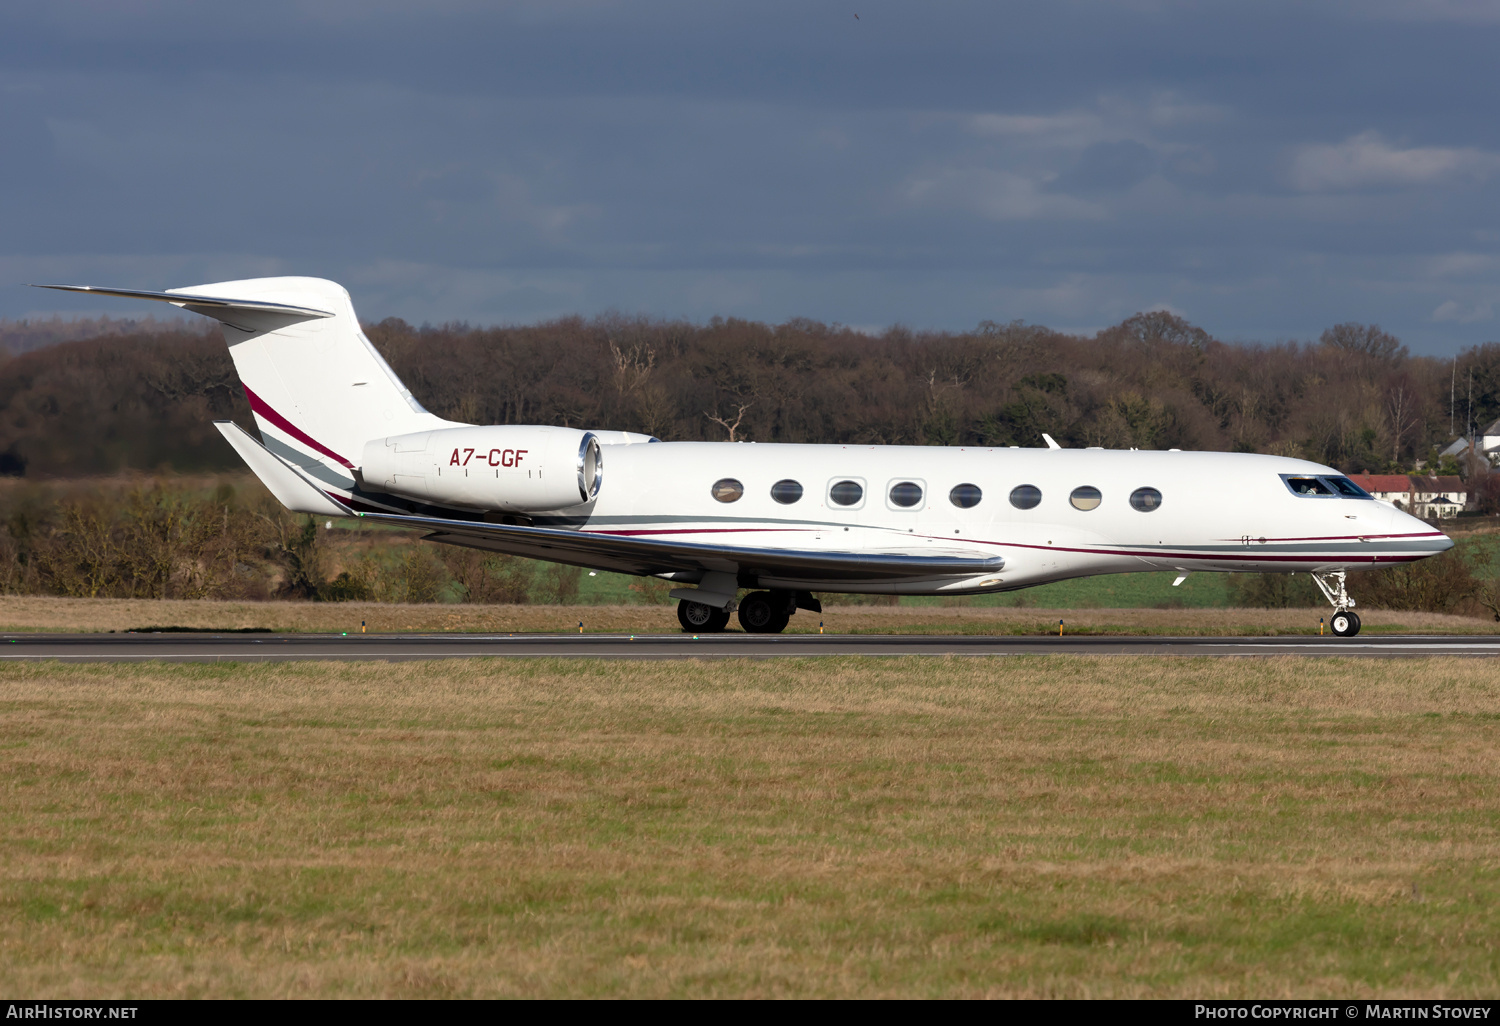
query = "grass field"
x=46 y=613
x=884 y=827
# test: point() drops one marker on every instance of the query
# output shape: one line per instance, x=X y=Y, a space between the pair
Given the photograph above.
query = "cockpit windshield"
x=1324 y=487
x=1348 y=487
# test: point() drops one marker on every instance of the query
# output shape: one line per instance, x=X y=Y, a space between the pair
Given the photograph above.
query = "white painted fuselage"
x=1218 y=511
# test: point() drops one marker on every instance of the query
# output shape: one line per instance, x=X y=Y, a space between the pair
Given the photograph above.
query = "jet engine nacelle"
x=515 y=468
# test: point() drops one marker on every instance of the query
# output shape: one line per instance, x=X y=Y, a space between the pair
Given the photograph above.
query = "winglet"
x=1051 y=442
x=285 y=481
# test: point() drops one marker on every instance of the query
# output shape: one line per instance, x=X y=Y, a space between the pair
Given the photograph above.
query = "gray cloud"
x=1266 y=169
x=1367 y=161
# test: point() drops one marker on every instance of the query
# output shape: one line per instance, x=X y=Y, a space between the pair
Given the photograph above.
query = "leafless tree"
x=1365 y=339
x=632 y=366
x=1399 y=401
x=1164 y=326
x=727 y=425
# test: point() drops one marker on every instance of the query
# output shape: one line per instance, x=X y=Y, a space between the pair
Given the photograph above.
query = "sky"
x=1264 y=169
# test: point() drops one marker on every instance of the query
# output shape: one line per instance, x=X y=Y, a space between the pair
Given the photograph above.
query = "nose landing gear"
x=1345 y=621
x=1345 y=624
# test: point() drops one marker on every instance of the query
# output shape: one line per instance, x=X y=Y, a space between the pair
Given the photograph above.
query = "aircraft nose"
x=1404 y=523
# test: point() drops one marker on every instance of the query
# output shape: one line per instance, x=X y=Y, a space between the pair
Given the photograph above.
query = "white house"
x=1422 y=496
x=1436 y=497
x=1394 y=488
x=1488 y=442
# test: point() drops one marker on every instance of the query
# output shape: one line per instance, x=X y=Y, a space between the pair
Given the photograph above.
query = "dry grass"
x=31 y=613
x=894 y=827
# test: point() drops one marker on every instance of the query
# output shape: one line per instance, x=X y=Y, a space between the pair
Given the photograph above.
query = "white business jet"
x=340 y=435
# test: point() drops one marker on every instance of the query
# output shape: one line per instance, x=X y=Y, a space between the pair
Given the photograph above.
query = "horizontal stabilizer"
x=245 y=314
x=286 y=482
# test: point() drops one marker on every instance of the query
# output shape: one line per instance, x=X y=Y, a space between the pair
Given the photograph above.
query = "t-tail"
x=318 y=388
x=339 y=432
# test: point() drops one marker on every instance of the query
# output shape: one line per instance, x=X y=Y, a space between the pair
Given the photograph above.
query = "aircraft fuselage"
x=1215 y=512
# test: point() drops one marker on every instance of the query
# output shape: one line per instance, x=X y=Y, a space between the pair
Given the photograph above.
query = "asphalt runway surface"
x=392 y=647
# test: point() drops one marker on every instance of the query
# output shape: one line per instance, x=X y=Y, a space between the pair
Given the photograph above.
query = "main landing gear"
x=766 y=612
x=1345 y=621
x=697 y=618
x=760 y=612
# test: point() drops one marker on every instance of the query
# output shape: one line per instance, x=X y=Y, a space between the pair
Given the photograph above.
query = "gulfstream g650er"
x=340 y=435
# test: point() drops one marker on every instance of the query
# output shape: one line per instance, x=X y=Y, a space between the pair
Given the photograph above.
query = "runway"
x=394 y=647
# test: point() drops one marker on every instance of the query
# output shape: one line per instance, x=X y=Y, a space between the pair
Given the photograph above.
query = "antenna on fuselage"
x=1051 y=442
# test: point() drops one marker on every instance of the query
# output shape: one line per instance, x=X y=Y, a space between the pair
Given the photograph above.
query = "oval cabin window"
x=846 y=493
x=965 y=496
x=1086 y=497
x=786 y=492
x=1026 y=496
x=728 y=490
x=906 y=494
x=1145 y=499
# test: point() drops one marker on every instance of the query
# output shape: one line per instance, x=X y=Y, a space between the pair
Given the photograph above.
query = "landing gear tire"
x=698 y=618
x=763 y=612
x=1345 y=622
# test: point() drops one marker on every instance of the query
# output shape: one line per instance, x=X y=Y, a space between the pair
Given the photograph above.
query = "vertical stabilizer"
x=317 y=386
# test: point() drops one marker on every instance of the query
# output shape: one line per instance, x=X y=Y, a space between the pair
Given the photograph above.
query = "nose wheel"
x=1345 y=622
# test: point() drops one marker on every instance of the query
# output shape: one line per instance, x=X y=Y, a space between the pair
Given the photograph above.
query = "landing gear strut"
x=1345 y=621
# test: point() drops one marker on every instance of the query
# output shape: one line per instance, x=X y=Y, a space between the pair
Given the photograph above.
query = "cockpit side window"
x=1323 y=487
x=1307 y=486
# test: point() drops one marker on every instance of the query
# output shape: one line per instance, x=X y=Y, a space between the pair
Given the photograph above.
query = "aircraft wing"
x=644 y=556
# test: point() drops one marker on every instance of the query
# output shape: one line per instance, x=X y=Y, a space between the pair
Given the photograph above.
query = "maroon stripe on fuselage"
x=1211 y=557
x=1176 y=557
x=712 y=530
x=1349 y=537
x=259 y=405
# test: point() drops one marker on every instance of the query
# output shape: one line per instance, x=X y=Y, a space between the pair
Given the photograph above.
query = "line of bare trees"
x=1356 y=398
